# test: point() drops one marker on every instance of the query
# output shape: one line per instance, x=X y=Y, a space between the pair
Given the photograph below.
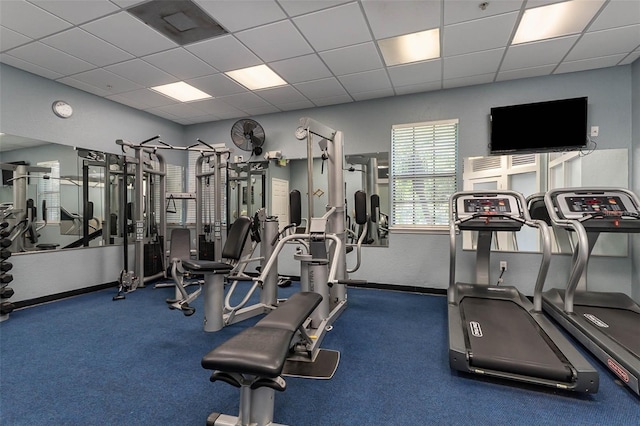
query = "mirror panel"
x=536 y=173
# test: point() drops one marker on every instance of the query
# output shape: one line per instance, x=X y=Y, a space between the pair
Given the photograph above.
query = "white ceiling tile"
x=30 y=20
x=240 y=15
x=270 y=109
x=481 y=34
x=618 y=13
x=298 y=7
x=125 y=4
x=77 y=11
x=416 y=73
x=217 y=107
x=332 y=100
x=456 y=11
x=525 y=72
x=29 y=67
x=274 y=42
x=367 y=81
x=245 y=100
x=90 y=48
x=142 y=73
x=183 y=110
x=224 y=53
x=538 y=53
x=468 y=81
x=130 y=34
x=318 y=89
x=303 y=68
x=296 y=105
x=70 y=81
x=352 y=59
x=180 y=63
x=473 y=63
x=217 y=85
x=631 y=58
x=589 y=64
x=143 y=98
x=105 y=80
x=606 y=42
x=389 y=18
x=281 y=95
x=10 y=39
x=47 y=57
x=375 y=94
x=336 y=27
x=418 y=88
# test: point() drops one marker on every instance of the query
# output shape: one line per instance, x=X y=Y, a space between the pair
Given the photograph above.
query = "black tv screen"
x=559 y=125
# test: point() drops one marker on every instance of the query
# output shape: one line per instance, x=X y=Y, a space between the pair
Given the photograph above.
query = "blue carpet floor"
x=89 y=360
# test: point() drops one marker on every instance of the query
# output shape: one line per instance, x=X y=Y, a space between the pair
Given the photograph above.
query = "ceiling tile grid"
x=326 y=50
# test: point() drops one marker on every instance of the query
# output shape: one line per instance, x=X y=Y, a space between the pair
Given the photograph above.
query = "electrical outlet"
x=595 y=131
x=503 y=265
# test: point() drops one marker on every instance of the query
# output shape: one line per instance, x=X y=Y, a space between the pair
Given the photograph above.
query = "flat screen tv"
x=559 y=125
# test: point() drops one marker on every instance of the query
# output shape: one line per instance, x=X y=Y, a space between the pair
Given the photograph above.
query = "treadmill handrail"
x=581 y=251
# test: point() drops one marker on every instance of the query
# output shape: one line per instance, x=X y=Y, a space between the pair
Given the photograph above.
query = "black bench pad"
x=291 y=314
x=256 y=350
x=206 y=265
x=262 y=350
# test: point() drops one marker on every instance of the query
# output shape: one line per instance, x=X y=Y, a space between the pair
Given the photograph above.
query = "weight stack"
x=205 y=249
x=6 y=292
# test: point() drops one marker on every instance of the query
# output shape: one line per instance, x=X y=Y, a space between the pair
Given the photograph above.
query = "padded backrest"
x=236 y=238
x=180 y=245
x=538 y=209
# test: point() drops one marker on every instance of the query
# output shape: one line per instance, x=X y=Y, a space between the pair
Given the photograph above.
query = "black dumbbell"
x=6 y=293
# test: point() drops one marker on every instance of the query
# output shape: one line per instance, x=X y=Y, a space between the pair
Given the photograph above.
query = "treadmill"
x=495 y=330
x=606 y=323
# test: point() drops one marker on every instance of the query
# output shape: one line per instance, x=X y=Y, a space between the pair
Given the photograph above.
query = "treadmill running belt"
x=503 y=337
x=622 y=325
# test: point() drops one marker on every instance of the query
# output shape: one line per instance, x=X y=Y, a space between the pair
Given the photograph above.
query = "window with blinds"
x=424 y=158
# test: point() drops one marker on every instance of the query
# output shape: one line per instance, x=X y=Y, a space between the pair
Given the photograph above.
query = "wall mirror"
x=367 y=172
x=57 y=196
x=536 y=173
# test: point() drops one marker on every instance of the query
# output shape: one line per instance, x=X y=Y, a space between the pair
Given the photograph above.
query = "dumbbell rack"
x=6 y=307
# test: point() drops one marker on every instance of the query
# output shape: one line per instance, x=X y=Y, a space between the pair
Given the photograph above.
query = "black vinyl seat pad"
x=206 y=266
x=502 y=336
x=621 y=325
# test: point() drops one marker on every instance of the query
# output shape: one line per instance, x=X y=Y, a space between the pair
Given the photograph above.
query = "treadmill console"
x=574 y=205
x=499 y=205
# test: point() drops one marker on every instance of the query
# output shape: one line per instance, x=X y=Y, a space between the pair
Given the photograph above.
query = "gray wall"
x=411 y=259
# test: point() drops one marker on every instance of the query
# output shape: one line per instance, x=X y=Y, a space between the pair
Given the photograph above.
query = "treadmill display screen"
x=593 y=204
x=487 y=205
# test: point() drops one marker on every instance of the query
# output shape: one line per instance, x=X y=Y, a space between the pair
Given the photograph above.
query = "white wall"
x=635 y=242
x=410 y=259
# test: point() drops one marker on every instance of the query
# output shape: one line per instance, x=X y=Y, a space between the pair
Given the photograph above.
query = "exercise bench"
x=253 y=361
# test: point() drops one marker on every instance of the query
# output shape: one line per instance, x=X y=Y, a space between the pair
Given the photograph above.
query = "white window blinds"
x=49 y=191
x=423 y=173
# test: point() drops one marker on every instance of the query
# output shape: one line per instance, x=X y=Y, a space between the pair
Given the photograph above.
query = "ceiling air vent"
x=180 y=20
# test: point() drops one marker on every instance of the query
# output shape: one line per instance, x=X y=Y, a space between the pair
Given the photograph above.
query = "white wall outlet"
x=595 y=131
x=503 y=265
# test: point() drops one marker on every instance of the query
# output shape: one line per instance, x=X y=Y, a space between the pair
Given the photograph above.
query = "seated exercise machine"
x=215 y=273
x=253 y=361
x=606 y=323
x=495 y=330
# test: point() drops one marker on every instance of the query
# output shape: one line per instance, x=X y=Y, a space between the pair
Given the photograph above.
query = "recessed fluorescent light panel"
x=411 y=47
x=182 y=92
x=258 y=77
x=556 y=20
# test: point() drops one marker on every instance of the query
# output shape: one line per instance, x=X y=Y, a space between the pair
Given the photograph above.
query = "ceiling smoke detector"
x=179 y=20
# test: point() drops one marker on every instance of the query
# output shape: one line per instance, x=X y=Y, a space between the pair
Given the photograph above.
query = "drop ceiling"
x=325 y=50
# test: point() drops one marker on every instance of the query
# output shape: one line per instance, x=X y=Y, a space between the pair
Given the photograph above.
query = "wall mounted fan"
x=248 y=135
